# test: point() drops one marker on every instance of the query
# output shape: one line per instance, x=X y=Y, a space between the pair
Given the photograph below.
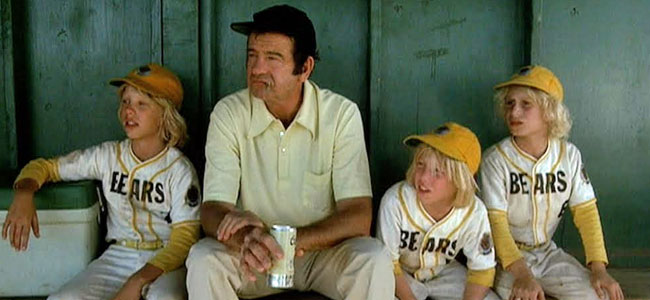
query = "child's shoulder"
x=569 y=146
x=479 y=206
x=109 y=147
x=176 y=157
x=399 y=190
x=570 y=150
x=476 y=211
x=494 y=152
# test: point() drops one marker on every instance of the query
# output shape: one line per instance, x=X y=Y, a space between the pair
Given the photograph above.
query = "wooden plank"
x=8 y=142
x=634 y=282
x=180 y=52
x=437 y=61
x=375 y=142
x=600 y=52
x=68 y=52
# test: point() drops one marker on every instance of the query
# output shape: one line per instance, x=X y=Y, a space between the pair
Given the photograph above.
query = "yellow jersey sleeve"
x=397 y=268
x=173 y=255
x=507 y=251
x=481 y=277
x=41 y=170
x=587 y=220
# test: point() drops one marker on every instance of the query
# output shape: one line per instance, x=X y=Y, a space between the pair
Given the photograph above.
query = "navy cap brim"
x=117 y=82
x=244 y=28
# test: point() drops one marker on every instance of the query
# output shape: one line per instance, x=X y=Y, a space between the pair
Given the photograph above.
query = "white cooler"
x=68 y=217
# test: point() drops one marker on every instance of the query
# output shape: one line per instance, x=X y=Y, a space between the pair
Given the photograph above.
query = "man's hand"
x=235 y=220
x=258 y=252
x=21 y=219
x=604 y=283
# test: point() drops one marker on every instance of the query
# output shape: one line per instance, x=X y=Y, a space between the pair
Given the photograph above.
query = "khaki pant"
x=104 y=277
x=448 y=285
x=559 y=274
x=358 y=268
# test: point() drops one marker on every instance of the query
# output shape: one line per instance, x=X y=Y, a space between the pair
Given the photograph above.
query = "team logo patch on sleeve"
x=193 y=197
x=486 y=244
x=583 y=174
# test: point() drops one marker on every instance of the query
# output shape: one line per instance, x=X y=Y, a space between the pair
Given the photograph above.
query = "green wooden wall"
x=409 y=65
x=8 y=159
x=602 y=55
x=67 y=51
x=437 y=61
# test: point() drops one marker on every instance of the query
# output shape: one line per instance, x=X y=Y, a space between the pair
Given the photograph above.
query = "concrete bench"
x=635 y=282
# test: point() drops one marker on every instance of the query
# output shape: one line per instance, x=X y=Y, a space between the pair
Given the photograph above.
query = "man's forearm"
x=212 y=214
x=351 y=218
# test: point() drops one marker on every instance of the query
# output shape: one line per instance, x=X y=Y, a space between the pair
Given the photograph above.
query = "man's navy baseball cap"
x=283 y=19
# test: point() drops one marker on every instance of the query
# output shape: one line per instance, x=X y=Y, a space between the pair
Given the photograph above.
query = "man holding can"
x=286 y=152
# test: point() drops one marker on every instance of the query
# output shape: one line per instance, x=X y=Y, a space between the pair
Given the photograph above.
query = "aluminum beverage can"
x=281 y=274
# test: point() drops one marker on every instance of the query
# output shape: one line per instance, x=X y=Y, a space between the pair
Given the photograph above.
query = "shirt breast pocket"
x=317 y=191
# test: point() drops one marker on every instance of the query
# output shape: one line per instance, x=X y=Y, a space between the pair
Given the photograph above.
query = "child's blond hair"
x=173 y=129
x=455 y=170
x=555 y=113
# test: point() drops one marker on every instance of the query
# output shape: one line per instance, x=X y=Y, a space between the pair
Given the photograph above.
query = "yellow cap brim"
x=436 y=142
x=520 y=81
x=529 y=82
x=136 y=83
x=141 y=85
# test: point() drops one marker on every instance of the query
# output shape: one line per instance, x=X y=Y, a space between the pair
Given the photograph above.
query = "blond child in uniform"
x=151 y=190
x=527 y=182
x=434 y=215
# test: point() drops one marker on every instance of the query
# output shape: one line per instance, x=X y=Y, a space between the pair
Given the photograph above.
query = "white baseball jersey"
x=534 y=192
x=145 y=198
x=423 y=246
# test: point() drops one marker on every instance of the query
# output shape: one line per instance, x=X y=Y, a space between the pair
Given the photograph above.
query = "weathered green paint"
x=601 y=53
x=436 y=61
x=209 y=69
x=8 y=148
x=65 y=55
x=180 y=52
x=342 y=44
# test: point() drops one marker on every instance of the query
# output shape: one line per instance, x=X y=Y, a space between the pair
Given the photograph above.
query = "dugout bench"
x=71 y=237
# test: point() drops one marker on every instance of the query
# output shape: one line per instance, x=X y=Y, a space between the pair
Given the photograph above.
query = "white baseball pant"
x=104 y=277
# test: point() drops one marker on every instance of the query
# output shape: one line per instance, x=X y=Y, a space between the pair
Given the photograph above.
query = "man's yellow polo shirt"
x=289 y=176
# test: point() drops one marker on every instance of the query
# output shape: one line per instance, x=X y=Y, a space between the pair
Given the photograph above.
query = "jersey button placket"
x=533 y=196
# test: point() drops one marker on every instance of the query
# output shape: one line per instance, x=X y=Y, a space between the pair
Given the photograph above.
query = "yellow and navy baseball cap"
x=453 y=140
x=155 y=80
x=538 y=77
